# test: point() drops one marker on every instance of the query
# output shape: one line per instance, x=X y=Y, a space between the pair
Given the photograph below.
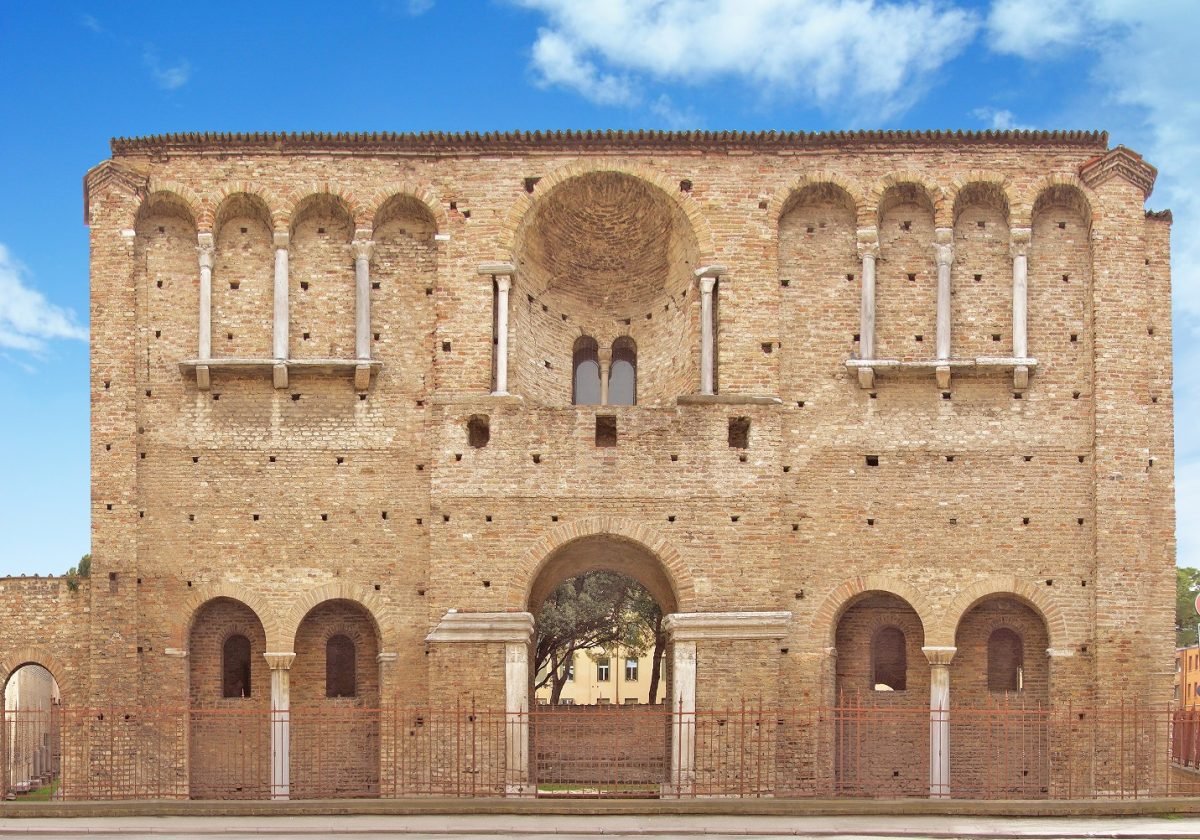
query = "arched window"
x=622 y=376
x=889 y=660
x=235 y=667
x=585 y=367
x=1005 y=660
x=340 y=667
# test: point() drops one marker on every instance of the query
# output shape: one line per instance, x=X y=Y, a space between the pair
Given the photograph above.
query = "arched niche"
x=321 y=290
x=168 y=271
x=243 y=278
x=604 y=253
x=981 y=306
x=1060 y=277
x=906 y=276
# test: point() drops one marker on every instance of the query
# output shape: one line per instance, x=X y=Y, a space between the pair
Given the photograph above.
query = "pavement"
x=564 y=826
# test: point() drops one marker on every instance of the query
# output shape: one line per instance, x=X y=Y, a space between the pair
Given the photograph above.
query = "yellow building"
x=1187 y=676
x=600 y=677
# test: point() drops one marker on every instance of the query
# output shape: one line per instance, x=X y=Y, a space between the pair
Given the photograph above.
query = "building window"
x=340 y=667
x=622 y=375
x=235 y=667
x=889 y=660
x=566 y=701
x=631 y=669
x=571 y=669
x=1005 y=660
x=585 y=366
x=603 y=666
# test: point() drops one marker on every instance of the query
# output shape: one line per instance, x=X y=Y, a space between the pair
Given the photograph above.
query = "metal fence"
x=1001 y=751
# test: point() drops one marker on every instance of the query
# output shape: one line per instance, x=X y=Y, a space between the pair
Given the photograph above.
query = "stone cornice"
x=438 y=142
x=1121 y=162
x=106 y=172
x=688 y=627
x=514 y=627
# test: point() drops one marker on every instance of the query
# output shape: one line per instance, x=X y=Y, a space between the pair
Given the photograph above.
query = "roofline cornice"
x=451 y=142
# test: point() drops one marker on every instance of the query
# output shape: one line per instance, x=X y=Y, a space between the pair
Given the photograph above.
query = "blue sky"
x=72 y=75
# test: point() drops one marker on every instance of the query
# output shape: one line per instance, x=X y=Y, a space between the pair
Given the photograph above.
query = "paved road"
x=544 y=827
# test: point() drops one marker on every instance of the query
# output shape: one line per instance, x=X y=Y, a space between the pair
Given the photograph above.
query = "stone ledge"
x=514 y=627
x=363 y=369
x=687 y=627
x=726 y=399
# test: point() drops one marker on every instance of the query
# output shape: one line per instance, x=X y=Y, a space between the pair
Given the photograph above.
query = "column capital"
x=281 y=238
x=939 y=655
x=362 y=248
x=279 y=660
x=206 y=252
x=707 y=283
x=943 y=245
x=386 y=657
x=483 y=627
x=503 y=282
x=497 y=269
x=204 y=239
x=1019 y=238
x=867 y=240
x=726 y=625
x=713 y=271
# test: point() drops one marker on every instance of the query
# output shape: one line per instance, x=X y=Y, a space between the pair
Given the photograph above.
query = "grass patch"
x=43 y=794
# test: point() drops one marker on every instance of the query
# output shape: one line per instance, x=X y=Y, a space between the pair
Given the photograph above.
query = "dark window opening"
x=1005 y=660
x=235 y=667
x=340 y=667
x=889 y=660
x=606 y=430
x=478 y=431
x=739 y=432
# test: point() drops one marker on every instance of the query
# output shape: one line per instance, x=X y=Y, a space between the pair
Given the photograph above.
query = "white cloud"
x=89 y=22
x=999 y=119
x=1029 y=28
x=170 y=77
x=874 y=56
x=419 y=7
x=27 y=319
x=672 y=116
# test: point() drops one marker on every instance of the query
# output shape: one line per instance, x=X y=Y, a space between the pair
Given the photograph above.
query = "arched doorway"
x=335 y=703
x=32 y=741
x=598 y=604
x=881 y=720
x=230 y=697
x=1000 y=684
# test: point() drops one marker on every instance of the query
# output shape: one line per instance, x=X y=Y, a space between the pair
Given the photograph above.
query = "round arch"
x=551 y=560
x=167 y=199
x=871 y=208
x=1026 y=204
x=371 y=603
x=202 y=595
x=12 y=662
x=419 y=194
x=976 y=185
x=785 y=199
x=229 y=199
x=304 y=196
x=510 y=229
x=1032 y=596
x=825 y=621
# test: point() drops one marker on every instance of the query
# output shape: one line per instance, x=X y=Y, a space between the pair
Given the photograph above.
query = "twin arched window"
x=587 y=387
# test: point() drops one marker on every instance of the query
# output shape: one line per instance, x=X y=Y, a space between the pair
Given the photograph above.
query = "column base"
x=520 y=791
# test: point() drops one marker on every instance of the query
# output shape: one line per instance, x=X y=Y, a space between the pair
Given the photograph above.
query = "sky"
x=73 y=75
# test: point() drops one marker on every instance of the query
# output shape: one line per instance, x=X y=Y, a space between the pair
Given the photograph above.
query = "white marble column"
x=1019 y=246
x=944 y=250
x=502 y=275
x=939 y=719
x=868 y=249
x=682 y=780
x=604 y=355
x=279 y=341
x=281 y=726
x=708 y=276
x=362 y=247
x=205 y=248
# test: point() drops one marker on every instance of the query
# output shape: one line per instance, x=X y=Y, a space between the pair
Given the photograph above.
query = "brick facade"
x=333 y=502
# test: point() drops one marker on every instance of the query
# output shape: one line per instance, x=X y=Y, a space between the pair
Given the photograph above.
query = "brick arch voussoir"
x=37 y=655
x=935 y=195
x=1005 y=586
x=266 y=613
x=701 y=229
x=337 y=591
x=1029 y=198
x=192 y=202
x=981 y=177
x=825 y=621
x=536 y=556
x=306 y=192
x=228 y=190
x=424 y=194
x=781 y=201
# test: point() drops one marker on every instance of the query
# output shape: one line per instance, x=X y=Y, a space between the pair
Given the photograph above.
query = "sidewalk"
x=469 y=826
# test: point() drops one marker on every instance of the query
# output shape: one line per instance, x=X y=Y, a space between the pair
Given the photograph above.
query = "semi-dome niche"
x=605 y=255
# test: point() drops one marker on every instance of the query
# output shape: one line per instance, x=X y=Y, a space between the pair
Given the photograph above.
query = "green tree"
x=597 y=609
x=83 y=570
x=1187 y=586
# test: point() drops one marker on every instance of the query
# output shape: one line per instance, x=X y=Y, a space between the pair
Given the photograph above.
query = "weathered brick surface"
x=1059 y=502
